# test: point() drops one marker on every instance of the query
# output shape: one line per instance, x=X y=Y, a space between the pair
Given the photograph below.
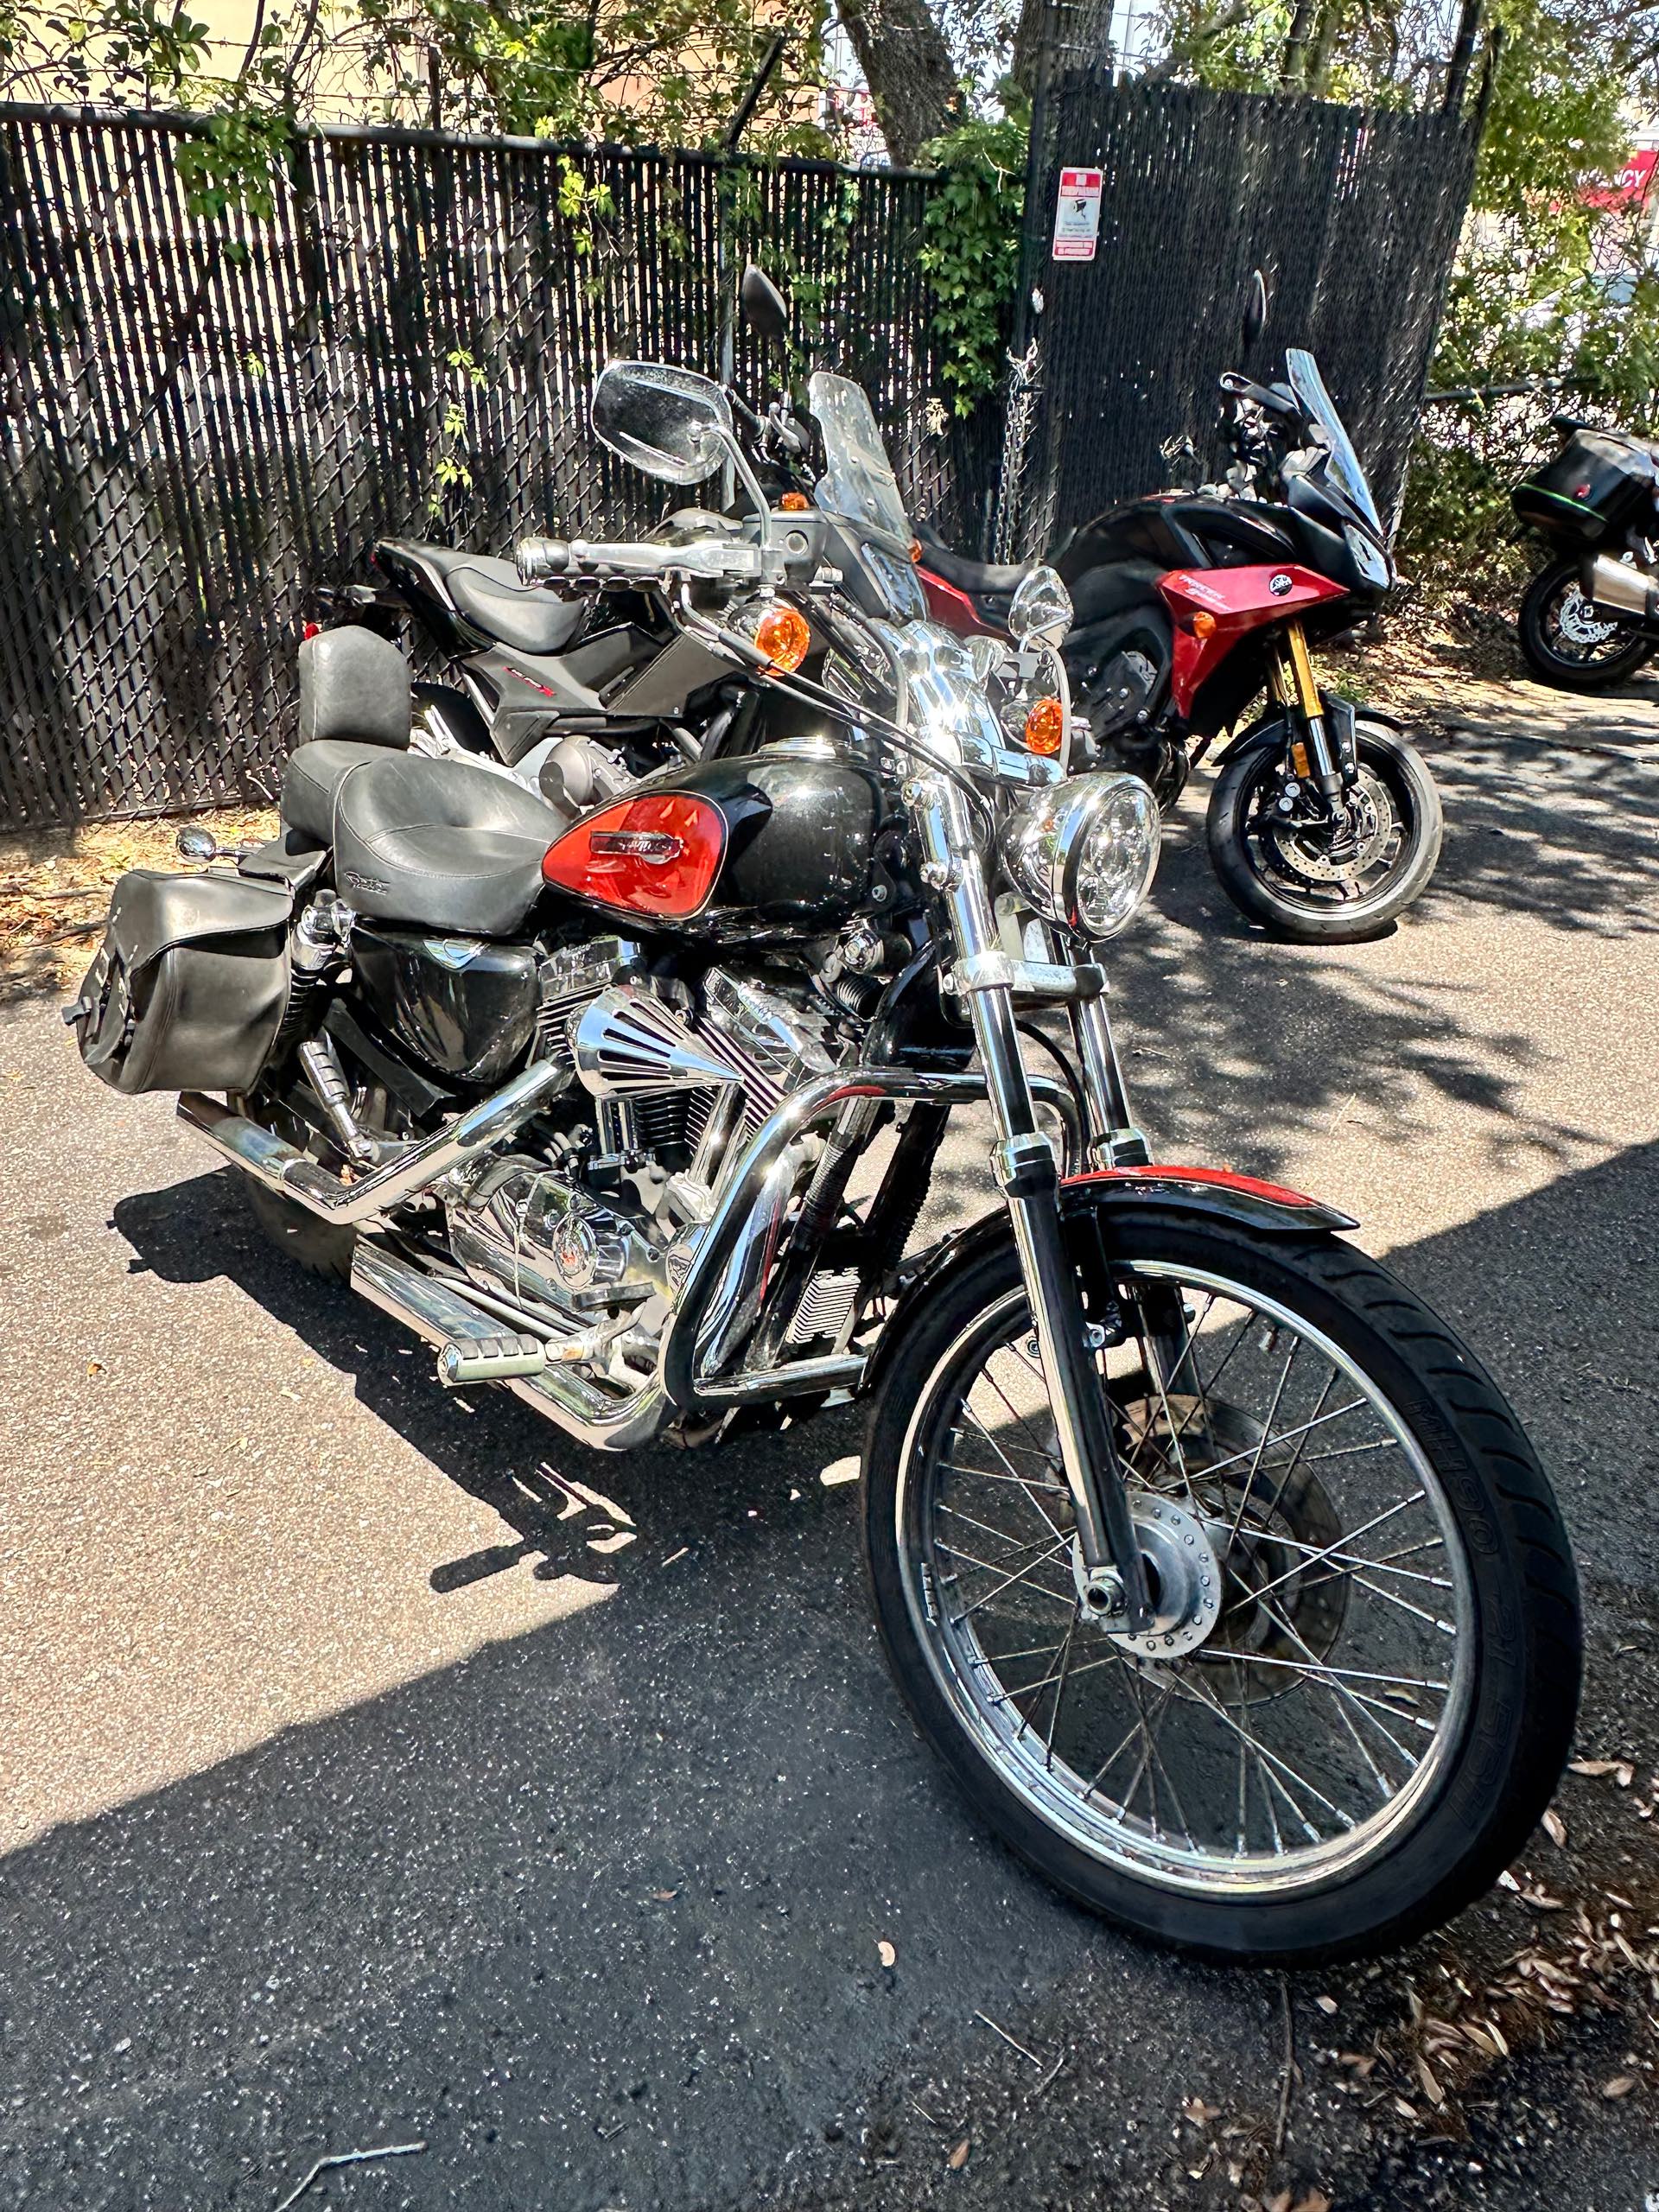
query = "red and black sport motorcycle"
x=1190 y=607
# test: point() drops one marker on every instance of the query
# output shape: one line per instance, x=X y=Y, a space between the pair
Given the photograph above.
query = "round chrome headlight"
x=1084 y=852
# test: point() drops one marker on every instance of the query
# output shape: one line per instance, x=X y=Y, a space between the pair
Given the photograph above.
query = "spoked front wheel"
x=1359 y=1690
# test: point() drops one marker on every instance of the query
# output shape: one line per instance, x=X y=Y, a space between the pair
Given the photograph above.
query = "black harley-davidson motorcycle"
x=1589 y=617
x=1191 y=607
x=1215 y=1568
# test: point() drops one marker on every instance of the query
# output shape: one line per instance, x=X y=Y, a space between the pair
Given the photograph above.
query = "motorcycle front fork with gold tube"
x=1111 y=1577
x=1320 y=757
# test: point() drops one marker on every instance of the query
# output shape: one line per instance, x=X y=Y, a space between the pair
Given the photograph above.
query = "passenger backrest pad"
x=353 y=683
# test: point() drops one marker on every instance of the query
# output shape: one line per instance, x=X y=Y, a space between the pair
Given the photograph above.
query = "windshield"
x=1344 y=465
x=858 y=484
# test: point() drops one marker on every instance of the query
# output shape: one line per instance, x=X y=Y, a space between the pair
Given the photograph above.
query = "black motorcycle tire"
x=1399 y=764
x=1558 y=669
x=321 y=1247
x=1517 y=1730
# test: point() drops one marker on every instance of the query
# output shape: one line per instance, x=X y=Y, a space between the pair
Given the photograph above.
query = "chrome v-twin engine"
x=546 y=1239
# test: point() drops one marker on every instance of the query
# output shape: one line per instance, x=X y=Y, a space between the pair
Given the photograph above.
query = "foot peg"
x=489 y=1359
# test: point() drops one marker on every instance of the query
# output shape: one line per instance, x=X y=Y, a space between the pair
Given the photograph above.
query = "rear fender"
x=1089 y=1202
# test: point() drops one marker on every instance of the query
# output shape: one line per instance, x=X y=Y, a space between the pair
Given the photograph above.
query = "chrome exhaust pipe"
x=443 y=1315
x=270 y=1159
x=1620 y=587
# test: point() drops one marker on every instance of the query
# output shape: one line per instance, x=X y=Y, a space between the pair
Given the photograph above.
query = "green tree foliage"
x=644 y=71
x=971 y=254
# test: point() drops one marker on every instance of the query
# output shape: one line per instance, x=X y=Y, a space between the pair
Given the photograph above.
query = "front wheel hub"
x=1183 y=1581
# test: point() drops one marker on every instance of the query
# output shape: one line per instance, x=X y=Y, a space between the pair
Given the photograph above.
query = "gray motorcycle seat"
x=490 y=595
x=440 y=844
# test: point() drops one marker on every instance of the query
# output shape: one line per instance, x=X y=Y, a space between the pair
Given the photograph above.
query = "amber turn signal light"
x=1046 y=727
x=783 y=634
x=794 y=503
x=1203 y=625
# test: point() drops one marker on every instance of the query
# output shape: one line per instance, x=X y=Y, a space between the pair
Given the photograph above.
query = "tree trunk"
x=908 y=66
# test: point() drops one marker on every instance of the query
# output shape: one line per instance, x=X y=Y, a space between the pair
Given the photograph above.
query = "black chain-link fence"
x=1353 y=215
x=202 y=425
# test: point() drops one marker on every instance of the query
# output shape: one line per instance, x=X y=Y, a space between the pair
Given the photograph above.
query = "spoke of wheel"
x=1063 y=1647
x=1007 y=1658
x=1020 y=1418
x=979 y=1604
x=1384 y=1565
x=1267 y=1429
x=1134 y=1730
x=1047 y=1458
x=1008 y=1693
x=1140 y=1729
x=1151 y=1365
x=996 y=1475
x=1158 y=1764
x=1241 y=1330
x=1002 y=1536
x=1389 y=1597
x=1272 y=1761
x=1341 y=1674
x=1352 y=1451
x=1287 y=1436
x=1060 y=1693
x=986 y=1567
x=1351 y=1537
x=1344 y=1696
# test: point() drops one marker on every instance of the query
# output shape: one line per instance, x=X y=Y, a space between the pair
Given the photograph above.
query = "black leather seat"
x=310 y=779
x=981 y=578
x=440 y=843
x=490 y=595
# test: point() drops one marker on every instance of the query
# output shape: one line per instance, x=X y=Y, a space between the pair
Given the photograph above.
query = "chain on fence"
x=203 y=426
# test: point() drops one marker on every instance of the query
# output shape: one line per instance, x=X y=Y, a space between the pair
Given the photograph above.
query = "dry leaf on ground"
x=958 y=2158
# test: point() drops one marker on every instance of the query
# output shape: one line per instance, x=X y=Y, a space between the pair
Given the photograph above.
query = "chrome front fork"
x=1113 y=1580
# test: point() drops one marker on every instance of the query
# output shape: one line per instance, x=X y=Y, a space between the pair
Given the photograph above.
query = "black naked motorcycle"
x=1216 y=1569
x=1195 y=613
x=1589 y=617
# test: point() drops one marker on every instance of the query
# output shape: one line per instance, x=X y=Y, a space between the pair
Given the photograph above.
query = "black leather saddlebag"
x=189 y=988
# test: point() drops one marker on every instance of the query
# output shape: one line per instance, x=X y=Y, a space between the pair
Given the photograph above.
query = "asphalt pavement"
x=377 y=1768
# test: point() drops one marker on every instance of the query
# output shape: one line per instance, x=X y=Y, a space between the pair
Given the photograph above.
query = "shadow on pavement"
x=596 y=1914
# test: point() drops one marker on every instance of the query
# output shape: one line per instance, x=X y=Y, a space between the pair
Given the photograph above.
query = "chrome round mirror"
x=1041 y=609
x=670 y=422
x=195 y=844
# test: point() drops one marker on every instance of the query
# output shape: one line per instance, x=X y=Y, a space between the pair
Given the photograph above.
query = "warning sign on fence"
x=1077 y=215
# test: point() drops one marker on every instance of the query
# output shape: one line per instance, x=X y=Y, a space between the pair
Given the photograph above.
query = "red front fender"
x=1267 y=1205
x=1213 y=1190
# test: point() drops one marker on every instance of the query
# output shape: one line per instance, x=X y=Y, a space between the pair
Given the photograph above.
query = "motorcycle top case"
x=189 y=986
x=1598 y=482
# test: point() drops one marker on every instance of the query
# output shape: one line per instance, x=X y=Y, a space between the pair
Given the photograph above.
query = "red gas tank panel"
x=659 y=854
